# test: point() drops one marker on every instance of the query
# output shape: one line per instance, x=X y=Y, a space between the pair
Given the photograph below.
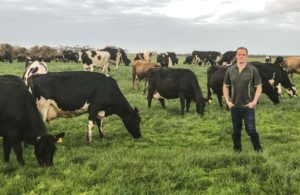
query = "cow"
x=117 y=55
x=95 y=59
x=21 y=121
x=227 y=58
x=188 y=60
x=204 y=57
x=167 y=59
x=215 y=79
x=145 y=56
x=69 y=55
x=268 y=59
x=34 y=68
x=166 y=83
x=277 y=77
x=291 y=65
x=140 y=70
x=67 y=94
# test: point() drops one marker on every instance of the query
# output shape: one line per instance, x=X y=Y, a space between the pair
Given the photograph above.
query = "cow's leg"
x=182 y=105
x=6 y=149
x=162 y=103
x=145 y=85
x=90 y=127
x=99 y=123
x=150 y=96
x=17 y=146
x=188 y=103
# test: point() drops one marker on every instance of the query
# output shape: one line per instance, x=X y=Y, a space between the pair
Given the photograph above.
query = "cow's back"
x=71 y=90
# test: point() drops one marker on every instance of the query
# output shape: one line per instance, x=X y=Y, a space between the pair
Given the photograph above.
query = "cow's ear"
x=59 y=137
x=135 y=110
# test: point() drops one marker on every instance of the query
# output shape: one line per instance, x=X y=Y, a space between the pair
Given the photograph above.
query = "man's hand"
x=229 y=104
x=252 y=104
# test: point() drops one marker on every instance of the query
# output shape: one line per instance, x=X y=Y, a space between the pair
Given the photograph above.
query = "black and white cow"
x=117 y=55
x=95 y=59
x=215 y=79
x=166 y=83
x=21 y=121
x=277 y=77
x=204 y=57
x=67 y=94
x=167 y=59
x=227 y=58
x=34 y=68
x=145 y=56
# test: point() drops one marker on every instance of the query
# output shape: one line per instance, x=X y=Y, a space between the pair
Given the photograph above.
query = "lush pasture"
x=181 y=155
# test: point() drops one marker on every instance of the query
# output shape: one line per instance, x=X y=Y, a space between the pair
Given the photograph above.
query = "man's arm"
x=258 y=92
x=226 y=96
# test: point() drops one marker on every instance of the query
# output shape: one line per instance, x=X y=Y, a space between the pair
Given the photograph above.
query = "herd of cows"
x=42 y=96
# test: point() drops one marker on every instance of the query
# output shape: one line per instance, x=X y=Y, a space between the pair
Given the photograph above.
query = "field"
x=176 y=155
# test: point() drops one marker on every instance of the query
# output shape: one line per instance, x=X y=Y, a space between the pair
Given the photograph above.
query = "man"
x=246 y=88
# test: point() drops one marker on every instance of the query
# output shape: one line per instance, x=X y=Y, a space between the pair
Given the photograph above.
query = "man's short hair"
x=243 y=48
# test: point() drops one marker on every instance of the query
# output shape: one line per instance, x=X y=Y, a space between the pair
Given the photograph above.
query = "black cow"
x=215 y=79
x=21 y=121
x=175 y=83
x=276 y=73
x=113 y=54
x=228 y=57
x=66 y=94
x=69 y=55
x=167 y=59
x=188 y=60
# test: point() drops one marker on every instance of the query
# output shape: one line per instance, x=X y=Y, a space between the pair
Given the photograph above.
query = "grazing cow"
x=95 y=59
x=67 y=94
x=205 y=57
x=175 y=83
x=188 y=60
x=140 y=70
x=277 y=77
x=268 y=59
x=215 y=79
x=117 y=54
x=145 y=56
x=291 y=65
x=227 y=58
x=168 y=59
x=21 y=121
x=34 y=68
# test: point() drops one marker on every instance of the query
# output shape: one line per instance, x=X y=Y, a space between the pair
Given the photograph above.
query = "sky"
x=267 y=27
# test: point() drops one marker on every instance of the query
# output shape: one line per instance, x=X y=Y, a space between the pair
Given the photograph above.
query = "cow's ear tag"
x=60 y=140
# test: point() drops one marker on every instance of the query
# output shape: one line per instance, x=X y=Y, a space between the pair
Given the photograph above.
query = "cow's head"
x=200 y=105
x=292 y=91
x=44 y=148
x=132 y=123
x=85 y=59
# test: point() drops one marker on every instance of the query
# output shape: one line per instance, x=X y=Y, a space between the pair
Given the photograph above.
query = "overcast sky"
x=263 y=26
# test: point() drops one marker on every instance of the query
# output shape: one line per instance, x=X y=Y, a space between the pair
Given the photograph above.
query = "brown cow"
x=291 y=65
x=140 y=70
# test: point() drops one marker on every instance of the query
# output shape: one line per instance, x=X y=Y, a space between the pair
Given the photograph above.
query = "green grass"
x=181 y=155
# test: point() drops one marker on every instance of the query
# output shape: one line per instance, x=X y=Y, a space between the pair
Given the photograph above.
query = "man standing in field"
x=246 y=88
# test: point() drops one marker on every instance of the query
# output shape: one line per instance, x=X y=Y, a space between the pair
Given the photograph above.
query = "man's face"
x=241 y=56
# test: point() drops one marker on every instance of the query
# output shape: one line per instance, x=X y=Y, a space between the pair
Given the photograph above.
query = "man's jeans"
x=248 y=115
